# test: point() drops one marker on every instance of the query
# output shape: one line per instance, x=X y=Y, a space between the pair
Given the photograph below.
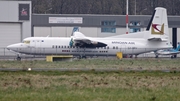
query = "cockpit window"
x=26 y=42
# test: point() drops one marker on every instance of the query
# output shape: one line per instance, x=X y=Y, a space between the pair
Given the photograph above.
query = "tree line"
x=113 y=7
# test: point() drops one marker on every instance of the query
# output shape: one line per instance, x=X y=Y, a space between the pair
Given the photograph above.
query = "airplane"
x=171 y=52
x=156 y=37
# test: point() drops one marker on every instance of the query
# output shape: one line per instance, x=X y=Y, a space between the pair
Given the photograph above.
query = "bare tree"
x=103 y=6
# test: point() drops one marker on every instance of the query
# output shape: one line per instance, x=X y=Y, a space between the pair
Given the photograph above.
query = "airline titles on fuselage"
x=83 y=51
x=121 y=42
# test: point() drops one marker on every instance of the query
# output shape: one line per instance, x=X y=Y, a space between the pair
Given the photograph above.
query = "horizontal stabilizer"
x=157 y=39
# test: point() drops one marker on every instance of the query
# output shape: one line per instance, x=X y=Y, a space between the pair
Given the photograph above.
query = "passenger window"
x=61 y=46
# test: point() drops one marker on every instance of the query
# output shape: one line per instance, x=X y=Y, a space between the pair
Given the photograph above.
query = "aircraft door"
x=33 y=46
x=38 y=46
x=38 y=43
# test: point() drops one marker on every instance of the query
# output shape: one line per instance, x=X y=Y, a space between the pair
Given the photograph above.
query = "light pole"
x=127 y=3
x=135 y=7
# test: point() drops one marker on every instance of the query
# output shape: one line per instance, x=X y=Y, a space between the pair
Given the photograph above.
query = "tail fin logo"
x=178 y=48
x=75 y=29
x=155 y=30
x=71 y=42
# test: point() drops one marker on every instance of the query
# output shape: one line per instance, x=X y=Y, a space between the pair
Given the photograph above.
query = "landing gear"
x=18 y=58
x=173 y=56
x=131 y=56
x=82 y=57
x=136 y=55
x=156 y=56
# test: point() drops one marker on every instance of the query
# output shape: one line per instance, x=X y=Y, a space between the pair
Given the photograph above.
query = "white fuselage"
x=60 y=46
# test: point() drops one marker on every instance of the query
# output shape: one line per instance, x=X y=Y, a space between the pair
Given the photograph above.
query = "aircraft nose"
x=10 y=47
x=13 y=46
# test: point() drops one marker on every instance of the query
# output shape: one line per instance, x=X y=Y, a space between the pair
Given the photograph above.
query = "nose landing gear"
x=18 y=58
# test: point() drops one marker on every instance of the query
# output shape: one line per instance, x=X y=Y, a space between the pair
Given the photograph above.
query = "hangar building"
x=61 y=25
x=17 y=22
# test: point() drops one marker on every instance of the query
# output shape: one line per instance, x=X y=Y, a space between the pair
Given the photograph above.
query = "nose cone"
x=14 y=47
x=9 y=47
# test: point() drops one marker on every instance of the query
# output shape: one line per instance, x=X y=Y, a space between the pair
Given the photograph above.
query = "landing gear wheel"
x=131 y=56
x=80 y=57
x=156 y=56
x=18 y=58
x=172 y=57
x=84 y=57
x=136 y=55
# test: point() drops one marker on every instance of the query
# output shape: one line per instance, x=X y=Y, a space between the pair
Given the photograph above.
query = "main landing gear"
x=173 y=56
x=156 y=56
x=82 y=57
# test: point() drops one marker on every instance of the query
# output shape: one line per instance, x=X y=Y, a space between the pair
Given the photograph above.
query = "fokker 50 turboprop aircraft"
x=156 y=37
x=171 y=52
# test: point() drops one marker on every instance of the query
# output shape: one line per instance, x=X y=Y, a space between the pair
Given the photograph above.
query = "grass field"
x=142 y=63
x=91 y=86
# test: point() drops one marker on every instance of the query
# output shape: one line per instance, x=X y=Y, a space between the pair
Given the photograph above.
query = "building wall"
x=56 y=31
x=92 y=24
x=12 y=28
x=9 y=13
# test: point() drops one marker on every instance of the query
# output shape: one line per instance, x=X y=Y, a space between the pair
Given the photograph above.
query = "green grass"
x=91 y=85
x=143 y=63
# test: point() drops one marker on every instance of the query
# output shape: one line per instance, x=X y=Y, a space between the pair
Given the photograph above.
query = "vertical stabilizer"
x=75 y=29
x=158 y=29
x=178 y=48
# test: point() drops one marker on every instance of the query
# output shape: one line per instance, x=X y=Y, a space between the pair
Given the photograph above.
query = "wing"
x=80 y=40
x=87 y=43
